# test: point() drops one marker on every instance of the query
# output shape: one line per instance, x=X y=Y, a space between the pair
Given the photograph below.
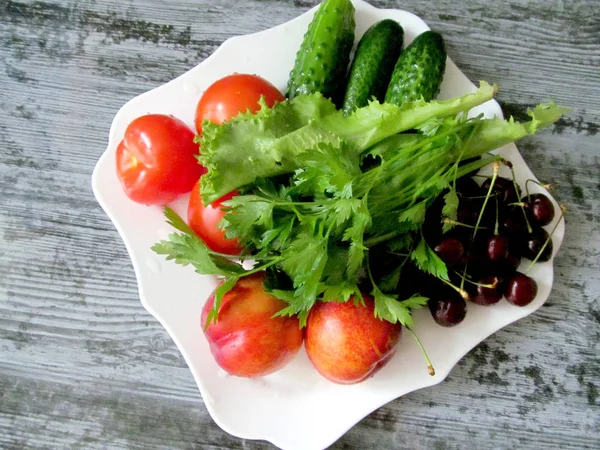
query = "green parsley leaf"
x=361 y=222
x=186 y=250
x=221 y=290
x=389 y=281
x=428 y=261
x=388 y=308
x=340 y=292
x=412 y=218
x=450 y=208
x=177 y=222
x=247 y=212
x=304 y=262
x=415 y=302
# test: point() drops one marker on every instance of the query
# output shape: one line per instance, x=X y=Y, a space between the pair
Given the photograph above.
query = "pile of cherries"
x=483 y=253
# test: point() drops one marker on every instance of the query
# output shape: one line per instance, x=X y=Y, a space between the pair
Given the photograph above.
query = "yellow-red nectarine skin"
x=346 y=343
x=247 y=341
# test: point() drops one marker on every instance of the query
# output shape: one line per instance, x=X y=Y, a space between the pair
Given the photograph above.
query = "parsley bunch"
x=320 y=193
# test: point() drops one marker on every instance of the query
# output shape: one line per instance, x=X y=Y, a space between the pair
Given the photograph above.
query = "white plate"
x=294 y=408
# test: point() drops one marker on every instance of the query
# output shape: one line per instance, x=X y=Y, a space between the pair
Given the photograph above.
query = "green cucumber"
x=323 y=58
x=419 y=70
x=373 y=64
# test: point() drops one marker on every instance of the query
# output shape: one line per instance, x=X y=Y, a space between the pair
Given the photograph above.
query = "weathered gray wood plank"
x=82 y=365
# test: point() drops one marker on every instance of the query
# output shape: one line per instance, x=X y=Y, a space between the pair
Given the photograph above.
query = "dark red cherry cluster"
x=496 y=227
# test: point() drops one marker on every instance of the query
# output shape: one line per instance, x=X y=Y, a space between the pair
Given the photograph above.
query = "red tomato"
x=247 y=341
x=233 y=94
x=156 y=159
x=204 y=221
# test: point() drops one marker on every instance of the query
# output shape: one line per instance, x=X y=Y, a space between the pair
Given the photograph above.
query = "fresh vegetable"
x=205 y=220
x=247 y=341
x=419 y=70
x=356 y=217
x=233 y=94
x=222 y=101
x=324 y=55
x=275 y=139
x=318 y=223
x=156 y=160
x=373 y=64
x=346 y=343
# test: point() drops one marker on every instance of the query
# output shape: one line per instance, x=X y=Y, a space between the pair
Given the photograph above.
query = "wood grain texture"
x=83 y=365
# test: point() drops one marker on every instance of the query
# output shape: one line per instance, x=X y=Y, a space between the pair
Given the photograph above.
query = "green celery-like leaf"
x=340 y=292
x=415 y=302
x=190 y=250
x=328 y=169
x=361 y=221
x=304 y=261
x=177 y=222
x=222 y=289
x=428 y=261
x=246 y=213
x=277 y=237
x=412 y=218
x=387 y=307
x=450 y=208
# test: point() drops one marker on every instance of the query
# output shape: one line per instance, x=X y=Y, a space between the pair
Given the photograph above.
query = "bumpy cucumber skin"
x=374 y=61
x=323 y=57
x=419 y=70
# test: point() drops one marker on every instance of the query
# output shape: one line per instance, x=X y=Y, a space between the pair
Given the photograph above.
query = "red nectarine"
x=247 y=341
x=346 y=343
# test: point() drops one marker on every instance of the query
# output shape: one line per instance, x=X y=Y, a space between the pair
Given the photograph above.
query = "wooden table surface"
x=83 y=365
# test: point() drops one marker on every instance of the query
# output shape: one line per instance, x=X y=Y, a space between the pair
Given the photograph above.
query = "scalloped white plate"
x=294 y=408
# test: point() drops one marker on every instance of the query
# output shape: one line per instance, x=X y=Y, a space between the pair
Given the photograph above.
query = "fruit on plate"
x=317 y=192
x=204 y=220
x=247 y=341
x=346 y=342
x=156 y=160
x=222 y=101
x=228 y=96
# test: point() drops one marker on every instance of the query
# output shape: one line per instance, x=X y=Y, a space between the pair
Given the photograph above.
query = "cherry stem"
x=464 y=294
x=474 y=197
x=450 y=221
x=430 y=368
x=514 y=179
x=490 y=286
x=563 y=209
x=487 y=197
x=548 y=187
x=496 y=226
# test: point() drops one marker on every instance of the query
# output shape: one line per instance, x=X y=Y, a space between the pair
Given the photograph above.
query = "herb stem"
x=430 y=368
x=379 y=239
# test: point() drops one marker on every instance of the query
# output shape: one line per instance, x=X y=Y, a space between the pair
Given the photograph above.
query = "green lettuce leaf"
x=269 y=143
